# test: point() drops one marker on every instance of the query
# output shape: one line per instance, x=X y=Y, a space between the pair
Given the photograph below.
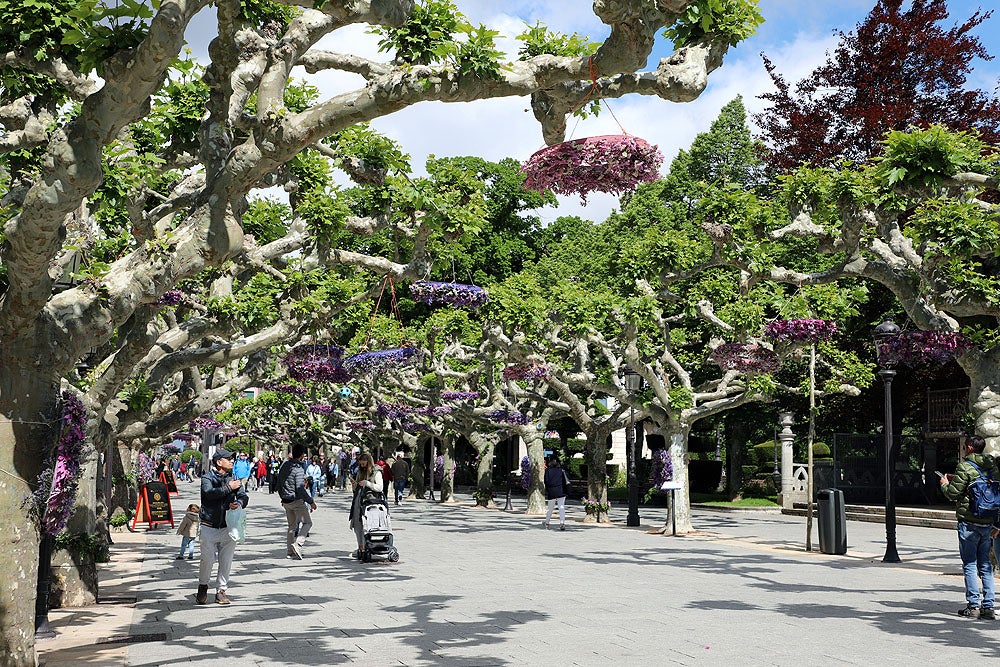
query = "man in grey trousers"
x=296 y=500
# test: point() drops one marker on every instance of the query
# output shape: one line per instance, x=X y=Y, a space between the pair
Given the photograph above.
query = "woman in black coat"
x=556 y=490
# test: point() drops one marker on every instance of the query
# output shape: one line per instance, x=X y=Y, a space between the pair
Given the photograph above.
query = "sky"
x=796 y=35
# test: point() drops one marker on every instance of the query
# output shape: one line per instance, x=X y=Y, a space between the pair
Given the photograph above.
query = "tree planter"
x=749 y=358
x=449 y=294
x=615 y=164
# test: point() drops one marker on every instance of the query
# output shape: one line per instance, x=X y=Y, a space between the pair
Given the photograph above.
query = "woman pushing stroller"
x=369 y=477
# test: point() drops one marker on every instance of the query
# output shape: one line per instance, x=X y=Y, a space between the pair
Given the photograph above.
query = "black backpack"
x=984 y=496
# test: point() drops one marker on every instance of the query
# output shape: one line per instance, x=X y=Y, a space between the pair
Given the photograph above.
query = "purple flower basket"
x=612 y=163
x=512 y=417
x=320 y=363
x=451 y=294
x=380 y=361
x=525 y=472
x=799 y=331
x=749 y=358
x=918 y=347
x=526 y=372
x=662 y=469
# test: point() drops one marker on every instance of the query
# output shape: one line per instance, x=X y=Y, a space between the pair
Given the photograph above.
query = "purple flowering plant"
x=202 y=423
x=321 y=409
x=800 y=330
x=595 y=506
x=145 y=468
x=525 y=472
x=379 y=361
x=318 y=362
x=917 y=347
x=612 y=163
x=394 y=410
x=662 y=469
x=750 y=358
x=434 y=410
x=361 y=426
x=414 y=427
x=171 y=297
x=57 y=484
x=452 y=294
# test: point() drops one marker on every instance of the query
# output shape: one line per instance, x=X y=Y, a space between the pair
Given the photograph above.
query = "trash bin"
x=832 y=521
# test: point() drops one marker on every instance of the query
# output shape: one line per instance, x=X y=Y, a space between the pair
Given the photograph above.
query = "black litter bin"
x=832 y=521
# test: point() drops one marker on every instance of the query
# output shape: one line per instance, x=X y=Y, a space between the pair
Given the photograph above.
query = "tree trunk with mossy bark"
x=484 y=444
x=448 y=474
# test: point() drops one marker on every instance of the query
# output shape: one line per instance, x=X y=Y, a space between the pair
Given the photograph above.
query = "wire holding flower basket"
x=749 y=358
x=450 y=294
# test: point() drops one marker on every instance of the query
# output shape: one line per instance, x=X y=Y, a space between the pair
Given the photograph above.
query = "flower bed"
x=748 y=358
x=611 y=163
x=379 y=361
x=916 y=347
x=452 y=294
x=320 y=363
x=512 y=417
x=460 y=395
x=526 y=372
x=800 y=330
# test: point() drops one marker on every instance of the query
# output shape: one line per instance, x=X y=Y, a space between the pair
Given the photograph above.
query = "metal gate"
x=859 y=469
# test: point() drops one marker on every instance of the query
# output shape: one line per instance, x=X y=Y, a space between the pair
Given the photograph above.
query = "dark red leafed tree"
x=898 y=68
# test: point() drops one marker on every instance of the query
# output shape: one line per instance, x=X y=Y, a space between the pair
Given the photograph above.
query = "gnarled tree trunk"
x=448 y=475
x=984 y=395
x=484 y=444
x=74 y=575
x=597 y=474
x=418 y=475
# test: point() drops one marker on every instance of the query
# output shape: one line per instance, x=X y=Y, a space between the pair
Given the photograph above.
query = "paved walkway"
x=483 y=587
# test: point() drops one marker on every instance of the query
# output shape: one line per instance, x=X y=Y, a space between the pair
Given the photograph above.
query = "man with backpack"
x=977 y=492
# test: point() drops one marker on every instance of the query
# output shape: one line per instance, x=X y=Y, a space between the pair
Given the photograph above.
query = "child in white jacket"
x=189 y=531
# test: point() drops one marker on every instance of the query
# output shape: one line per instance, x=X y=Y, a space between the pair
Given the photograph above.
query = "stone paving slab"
x=484 y=587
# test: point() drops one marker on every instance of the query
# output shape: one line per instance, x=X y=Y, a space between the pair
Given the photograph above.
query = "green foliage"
x=137 y=394
x=680 y=397
x=760 y=487
x=539 y=40
x=189 y=454
x=119 y=518
x=267 y=219
x=477 y=55
x=430 y=381
x=726 y=21
x=85 y=544
x=926 y=157
x=260 y=13
x=429 y=28
x=241 y=445
x=101 y=30
x=376 y=151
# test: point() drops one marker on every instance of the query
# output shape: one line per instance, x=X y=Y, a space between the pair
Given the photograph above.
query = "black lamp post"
x=884 y=334
x=633 y=383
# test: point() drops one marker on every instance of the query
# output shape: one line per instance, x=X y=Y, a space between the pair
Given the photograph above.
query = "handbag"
x=236 y=522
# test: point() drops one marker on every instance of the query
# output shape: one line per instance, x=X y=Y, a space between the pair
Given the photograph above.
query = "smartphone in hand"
x=939 y=473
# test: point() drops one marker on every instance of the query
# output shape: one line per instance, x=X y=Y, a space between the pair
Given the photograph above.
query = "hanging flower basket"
x=749 y=358
x=171 y=297
x=320 y=363
x=321 y=409
x=614 y=163
x=451 y=294
x=202 y=423
x=291 y=389
x=394 y=410
x=361 y=426
x=512 y=417
x=916 y=347
x=526 y=372
x=414 y=427
x=525 y=472
x=662 y=469
x=460 y=395
x=379 y=361
x=800 y=330
x=434 y=410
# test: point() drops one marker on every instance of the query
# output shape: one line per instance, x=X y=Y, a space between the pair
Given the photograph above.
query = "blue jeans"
x=187 y=544
x=399 y=485
x=974 y=546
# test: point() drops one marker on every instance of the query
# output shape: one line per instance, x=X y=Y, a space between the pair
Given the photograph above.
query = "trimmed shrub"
x=761 y=486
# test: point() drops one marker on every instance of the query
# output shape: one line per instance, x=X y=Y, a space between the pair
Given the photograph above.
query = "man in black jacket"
x=296 y=500
x=220 y=491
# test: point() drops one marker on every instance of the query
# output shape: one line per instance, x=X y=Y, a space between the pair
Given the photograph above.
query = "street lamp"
x=633 y=383
x=884 y=335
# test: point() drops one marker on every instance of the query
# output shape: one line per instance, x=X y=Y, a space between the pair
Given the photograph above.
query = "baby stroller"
x=378 y=531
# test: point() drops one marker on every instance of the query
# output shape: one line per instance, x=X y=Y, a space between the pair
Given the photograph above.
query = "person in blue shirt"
x=241 y=469
x=314 y=471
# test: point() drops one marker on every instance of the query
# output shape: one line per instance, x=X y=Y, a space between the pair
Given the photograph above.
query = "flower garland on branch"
x=800 y=330
x=526 y=372
x=916 y=347
x=749 y=358
x=434 y=410
x=57 y=484
x=452 y=294
x=394 y=410
x=321 y=363
x=415 y=427
x=379 y=361
x=612 y=163
x=321 y=409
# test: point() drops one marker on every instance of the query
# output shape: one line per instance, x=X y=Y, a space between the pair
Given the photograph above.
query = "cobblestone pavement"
x=484 y=587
